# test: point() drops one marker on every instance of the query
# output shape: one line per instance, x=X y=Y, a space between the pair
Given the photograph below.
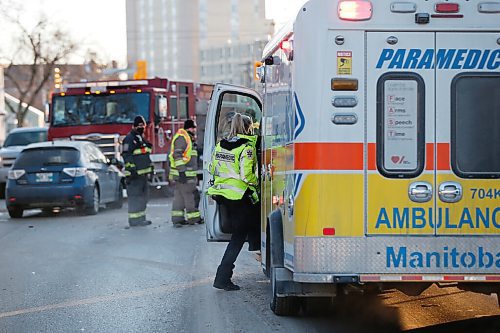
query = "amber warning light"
x=355 y=10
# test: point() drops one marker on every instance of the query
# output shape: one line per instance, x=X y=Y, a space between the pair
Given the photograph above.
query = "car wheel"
x=15 y=212
x=119 y=201
x=94 y=202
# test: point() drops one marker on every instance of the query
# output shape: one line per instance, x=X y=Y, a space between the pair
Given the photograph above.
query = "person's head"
x=190 y=126
x=139 y=124
x=241 y=124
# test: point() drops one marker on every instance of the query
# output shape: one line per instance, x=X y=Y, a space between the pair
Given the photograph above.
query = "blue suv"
x=61 y=174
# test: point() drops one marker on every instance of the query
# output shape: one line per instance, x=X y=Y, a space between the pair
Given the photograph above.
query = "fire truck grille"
x=108 y=143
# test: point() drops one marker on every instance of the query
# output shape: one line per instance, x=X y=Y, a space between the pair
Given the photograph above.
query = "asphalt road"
x=72 y=273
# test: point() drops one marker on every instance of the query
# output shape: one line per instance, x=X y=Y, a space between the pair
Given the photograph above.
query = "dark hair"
x=189 y=124
x=139 y=120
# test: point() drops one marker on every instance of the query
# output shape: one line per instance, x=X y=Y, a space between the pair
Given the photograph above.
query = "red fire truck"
x=104 y=111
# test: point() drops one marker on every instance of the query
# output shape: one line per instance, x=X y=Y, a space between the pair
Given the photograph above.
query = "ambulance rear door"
x=226 y=101
x=468 y=136
x=400 y=133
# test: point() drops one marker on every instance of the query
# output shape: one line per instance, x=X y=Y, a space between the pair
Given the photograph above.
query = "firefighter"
x=183 y=170
x=138 y=168
x=234 y=167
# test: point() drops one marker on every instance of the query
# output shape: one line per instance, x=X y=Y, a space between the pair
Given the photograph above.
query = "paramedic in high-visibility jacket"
x=235 y=170
x=183 y=171
x=138 y=168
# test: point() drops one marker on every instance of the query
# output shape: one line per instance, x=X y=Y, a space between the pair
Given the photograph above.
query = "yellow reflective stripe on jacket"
x=191 y=173
x=145 y=171
x=179 y=162
x=188 y=152
x=142 y=151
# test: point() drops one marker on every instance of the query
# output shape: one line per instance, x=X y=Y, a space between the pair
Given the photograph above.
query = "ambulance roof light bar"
x=106 y=84
x=355 y=10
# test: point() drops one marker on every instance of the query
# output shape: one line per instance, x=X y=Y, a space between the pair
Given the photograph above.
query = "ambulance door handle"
x=420 y=192
x=450 y=192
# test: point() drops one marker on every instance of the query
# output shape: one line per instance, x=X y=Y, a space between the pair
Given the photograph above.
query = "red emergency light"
x=287 y=47
x=446 y=7
x=355 y=10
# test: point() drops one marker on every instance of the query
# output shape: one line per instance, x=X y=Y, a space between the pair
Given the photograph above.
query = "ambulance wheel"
x=282 y=305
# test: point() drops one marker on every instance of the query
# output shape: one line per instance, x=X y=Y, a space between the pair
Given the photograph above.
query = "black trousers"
x=138 y=195
x=244 y=218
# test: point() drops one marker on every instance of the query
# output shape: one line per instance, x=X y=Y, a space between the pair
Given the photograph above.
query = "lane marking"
x=110 y=298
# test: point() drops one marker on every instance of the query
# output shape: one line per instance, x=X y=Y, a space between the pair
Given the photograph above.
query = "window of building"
x=183 y=112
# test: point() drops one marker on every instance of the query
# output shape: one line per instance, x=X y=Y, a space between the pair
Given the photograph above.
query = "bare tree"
x=41 y=49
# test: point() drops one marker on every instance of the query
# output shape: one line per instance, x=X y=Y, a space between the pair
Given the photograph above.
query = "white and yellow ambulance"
x=380 y=164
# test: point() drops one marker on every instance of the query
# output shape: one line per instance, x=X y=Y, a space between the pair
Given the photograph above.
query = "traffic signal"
x=258 y=71
x=141 y=72
x=57 y=78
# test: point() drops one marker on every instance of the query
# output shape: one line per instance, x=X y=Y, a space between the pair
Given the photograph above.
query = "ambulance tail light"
x=446 y=8
x=355 y=10
x=328 y=231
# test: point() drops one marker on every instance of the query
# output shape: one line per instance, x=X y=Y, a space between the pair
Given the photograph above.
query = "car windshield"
x=25 y=138
x=99 y=109
x=47 y=156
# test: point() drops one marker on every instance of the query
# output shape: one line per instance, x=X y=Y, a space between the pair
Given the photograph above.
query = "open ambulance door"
x=226 y=101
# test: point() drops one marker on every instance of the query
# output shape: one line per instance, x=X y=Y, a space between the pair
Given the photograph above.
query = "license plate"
x=44 y=177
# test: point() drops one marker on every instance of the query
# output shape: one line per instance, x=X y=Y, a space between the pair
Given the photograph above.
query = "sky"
x=100 y=24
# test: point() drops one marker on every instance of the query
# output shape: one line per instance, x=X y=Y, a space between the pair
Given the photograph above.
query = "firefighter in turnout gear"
x=138 y=168
x=183 y=167
x=235 y=170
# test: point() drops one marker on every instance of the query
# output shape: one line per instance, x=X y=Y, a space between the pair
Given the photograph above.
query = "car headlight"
x=16 y=174
x=75 y=172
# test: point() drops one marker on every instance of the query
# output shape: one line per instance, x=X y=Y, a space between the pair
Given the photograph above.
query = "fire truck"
x=103 y=112
x=380 y=161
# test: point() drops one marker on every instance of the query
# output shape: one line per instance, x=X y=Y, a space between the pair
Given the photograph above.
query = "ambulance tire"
x=282 y=305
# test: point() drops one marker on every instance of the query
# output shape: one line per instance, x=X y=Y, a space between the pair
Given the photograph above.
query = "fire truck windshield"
x=75 y=110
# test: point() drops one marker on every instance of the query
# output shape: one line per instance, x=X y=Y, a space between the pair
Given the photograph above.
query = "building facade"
x=170 y=34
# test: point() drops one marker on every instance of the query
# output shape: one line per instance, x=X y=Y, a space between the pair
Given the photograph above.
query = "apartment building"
x=170 y=35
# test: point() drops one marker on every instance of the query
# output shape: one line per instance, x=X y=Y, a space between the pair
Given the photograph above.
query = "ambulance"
x=380 y=149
